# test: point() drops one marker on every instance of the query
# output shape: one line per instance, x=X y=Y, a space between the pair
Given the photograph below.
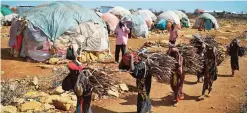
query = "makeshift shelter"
x=170 y=16
x=111 y=19
x=161 y=24
x=206 y=20
x=148 y=16
x=23 y=9
x=137 y=24
x=184 y=20
x=119 y=11
x=50 y=29
x=6 y=11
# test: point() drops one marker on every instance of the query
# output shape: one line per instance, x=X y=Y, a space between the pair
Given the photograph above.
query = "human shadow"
x=5 y=55
x=189 y=82
x=97 y=109
x=168 y=100
x=224 y=75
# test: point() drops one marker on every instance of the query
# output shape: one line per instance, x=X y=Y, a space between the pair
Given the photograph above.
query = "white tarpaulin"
x=146 y=13
x=182 y=15
x=119 y=11
x=170 y=15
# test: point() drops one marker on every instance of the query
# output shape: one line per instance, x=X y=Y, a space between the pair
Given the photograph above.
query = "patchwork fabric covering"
x=206 y=16
x=57 y=17
x=84 y=31
x=111 y=19
x=170 y=15
x=147 y=15
x=184 y=18
x=119 y=11
x=138 y=25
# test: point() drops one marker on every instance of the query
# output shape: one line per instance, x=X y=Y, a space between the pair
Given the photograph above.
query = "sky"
x=188 y=6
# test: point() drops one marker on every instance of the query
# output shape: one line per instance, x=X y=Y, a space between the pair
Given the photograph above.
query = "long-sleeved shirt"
x=122 y=35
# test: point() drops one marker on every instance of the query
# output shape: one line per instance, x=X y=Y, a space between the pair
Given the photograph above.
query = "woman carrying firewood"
x=78 y=81
x=178 y=75
x=139 y=71
x=210 y=69
x=233 y=52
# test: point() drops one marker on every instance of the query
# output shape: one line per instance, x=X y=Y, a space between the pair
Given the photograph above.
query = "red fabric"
x=73 y=66
x=126 y=58
x=81 y=104
x=18 y=41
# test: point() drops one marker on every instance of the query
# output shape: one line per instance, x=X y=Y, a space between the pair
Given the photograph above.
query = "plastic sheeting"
x=146 y=13
x=99 y=13
x=10 y=17
x=111 y=19
x=90 y=36
x=6 y=11
x=170 y=15
x=206 y=16
x=119 y=11
x=23 y=9
x=138 y=25
x=57 y=17
x=161 y=24
x=182 y=15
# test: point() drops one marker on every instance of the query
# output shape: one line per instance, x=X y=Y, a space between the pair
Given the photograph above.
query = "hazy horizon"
x=188 y=6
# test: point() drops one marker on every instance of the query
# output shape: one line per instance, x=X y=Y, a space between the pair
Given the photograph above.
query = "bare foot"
x=201 y=98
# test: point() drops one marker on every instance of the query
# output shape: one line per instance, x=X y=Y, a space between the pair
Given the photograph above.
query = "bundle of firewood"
x=160 y=65
x=192 y=61
x=209 y=41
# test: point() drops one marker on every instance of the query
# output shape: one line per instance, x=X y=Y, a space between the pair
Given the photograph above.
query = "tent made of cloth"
x=146 y=13
x=57 y=17
x=170 y=16
x=206 y=16
x=6 y=11
x=119 y=11
x=161 y=24
x=184 y=18
x=23 y=9
x=138 y=25
x=111 y=19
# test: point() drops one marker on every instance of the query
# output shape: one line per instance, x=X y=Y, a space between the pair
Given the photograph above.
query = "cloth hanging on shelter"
x=208 y=24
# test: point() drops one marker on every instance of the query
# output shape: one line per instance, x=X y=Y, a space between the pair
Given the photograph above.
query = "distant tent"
x=111 y=19
x=185 y=22
x=138 y=25
x=6 y=11
x=209 y=21
x=161 y=24
x=148 y=16
x=58 y=25
x=119 y=11
x=23 y=9
x=170 y=15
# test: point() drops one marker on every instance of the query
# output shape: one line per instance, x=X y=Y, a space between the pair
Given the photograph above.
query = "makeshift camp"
x=148 y=16
x=137 y=24
x=170 y=16
x=111 y=19
x=184 y=20
x=207 y=20
x=119 y=11
x=49 y=30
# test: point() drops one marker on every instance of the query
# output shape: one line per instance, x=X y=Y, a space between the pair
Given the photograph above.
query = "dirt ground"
x=227 y=96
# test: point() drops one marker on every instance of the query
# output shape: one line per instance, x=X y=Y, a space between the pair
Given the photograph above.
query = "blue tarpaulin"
x=57 y=17
x=161 y=24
